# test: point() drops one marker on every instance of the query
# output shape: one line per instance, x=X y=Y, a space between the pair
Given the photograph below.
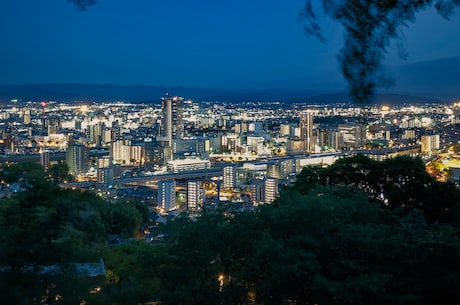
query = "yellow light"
x=84 y=108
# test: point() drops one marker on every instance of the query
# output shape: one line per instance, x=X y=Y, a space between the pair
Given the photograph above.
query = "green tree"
x=30 y=172
x=60 y=172
x=333 y=246
x=400 y=183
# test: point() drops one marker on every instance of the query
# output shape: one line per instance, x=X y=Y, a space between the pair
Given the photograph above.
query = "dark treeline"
x=357 y=232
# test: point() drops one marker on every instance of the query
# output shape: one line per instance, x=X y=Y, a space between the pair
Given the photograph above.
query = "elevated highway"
x=203 y=174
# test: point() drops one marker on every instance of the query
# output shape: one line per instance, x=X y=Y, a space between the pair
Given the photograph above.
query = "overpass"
x=204 y=174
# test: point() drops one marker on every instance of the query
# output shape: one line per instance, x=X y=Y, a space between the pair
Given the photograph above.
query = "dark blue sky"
x=205 y=43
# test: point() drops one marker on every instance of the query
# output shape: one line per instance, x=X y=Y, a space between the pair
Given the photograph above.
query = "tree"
x=333 y=246
x=369 y=27
x=400 y=183
x=60 y=172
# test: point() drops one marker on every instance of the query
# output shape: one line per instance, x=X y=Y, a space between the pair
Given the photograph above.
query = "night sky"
x=208 y=43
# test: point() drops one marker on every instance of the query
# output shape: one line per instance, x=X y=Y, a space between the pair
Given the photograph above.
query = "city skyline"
x=205 y=44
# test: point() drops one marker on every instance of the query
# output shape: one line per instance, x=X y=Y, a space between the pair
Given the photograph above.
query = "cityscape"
x=179 y=155
x=229 y=152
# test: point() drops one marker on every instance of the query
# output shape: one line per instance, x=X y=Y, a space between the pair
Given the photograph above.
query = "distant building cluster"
x=192 y=154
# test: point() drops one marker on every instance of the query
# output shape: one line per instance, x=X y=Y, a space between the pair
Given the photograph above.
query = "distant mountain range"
x=139 y=93
x=438 y=78
x=422 y=82
x=152 y=94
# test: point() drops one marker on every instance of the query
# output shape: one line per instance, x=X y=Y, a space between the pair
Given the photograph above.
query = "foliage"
x=325 y=241
x=47 y=224
x=369 y=27
x=400 y=182
x=60 y=172
x=28 y=172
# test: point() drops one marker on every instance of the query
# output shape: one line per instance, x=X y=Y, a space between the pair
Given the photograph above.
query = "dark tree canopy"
x=369 y=26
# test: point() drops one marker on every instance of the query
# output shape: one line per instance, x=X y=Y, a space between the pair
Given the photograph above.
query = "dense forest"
x=357 y=232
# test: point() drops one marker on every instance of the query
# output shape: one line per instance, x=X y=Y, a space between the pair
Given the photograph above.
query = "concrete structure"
x=430 y=143
x=77 y=158
x=45 y=160
x=172 y=125
x=187 y=165
x=167 y=195
x=257 y=192
x=306 y=130
x=229 y=177
x=270 y=189
x=195 y=195
x=105 y=171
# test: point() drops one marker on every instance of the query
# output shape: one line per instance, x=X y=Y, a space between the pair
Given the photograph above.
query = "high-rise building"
x=273 y=170
x=53 y=129
x=26 y=116
x=430 y=143
x=95 y=133
x=172 y=124
x=306 y=130
x=271 y=189
x=285 y=129
x=257 y=192
x=167 y=195
x=77 y=158
x=45 y=160
x=229 y=174
x=120 y=151
x=195 y=195
x=105 y=171
x=354 y=135
x=295 y=146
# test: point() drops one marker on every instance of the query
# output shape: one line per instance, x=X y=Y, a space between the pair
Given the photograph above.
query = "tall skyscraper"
x=229 y=174
x=306 y=130
x=167 y=195
x=172 y=124
x=195 y=195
